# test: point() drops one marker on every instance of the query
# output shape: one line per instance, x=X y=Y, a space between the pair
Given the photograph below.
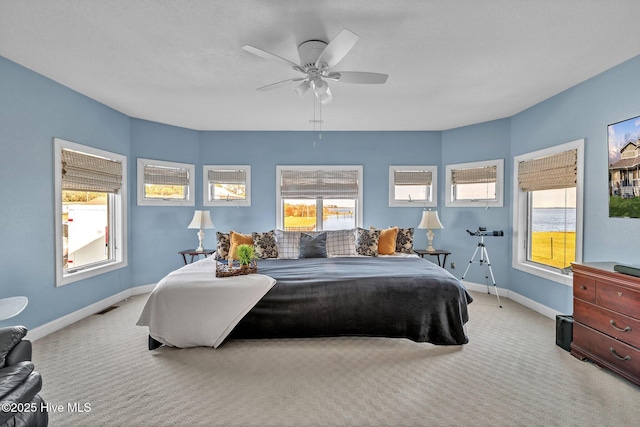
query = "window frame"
x=498 y=202
x=279 y=202
x=119 y=236
x=191 y=187
x=393 y=202
x=228 y=203
x=520 y=215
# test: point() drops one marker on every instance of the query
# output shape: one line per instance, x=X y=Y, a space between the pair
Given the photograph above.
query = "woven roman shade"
x=84 y=172
x=412 y=178
x=549 y=172
x=220 y=176
x=162 y=175
x=312 y=184
x=474 y=175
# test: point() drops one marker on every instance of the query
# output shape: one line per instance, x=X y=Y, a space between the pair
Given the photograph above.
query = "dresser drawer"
x=584 y=288
x=618 y=298
x=608 y=350
x=614 y=324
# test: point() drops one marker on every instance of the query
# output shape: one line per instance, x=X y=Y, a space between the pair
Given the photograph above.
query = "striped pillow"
x=288 y=244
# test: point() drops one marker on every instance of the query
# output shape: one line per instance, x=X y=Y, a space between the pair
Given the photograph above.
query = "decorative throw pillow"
x=288 y=244
x=9 y=337
x=404 y=240
x=265 y=245
x=341 y=243
x=367 y=242
x=224 y=244
x=387 y=243
x=313 y=246
x=238 y=239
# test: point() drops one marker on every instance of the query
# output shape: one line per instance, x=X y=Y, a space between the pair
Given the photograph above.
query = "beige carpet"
x=510 y=374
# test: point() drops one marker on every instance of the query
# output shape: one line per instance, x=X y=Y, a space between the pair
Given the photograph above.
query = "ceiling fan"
x=317 y=59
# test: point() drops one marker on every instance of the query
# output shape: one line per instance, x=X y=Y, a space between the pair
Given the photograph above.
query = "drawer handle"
x=613 y=324
x=583 y=287
x=617 y=356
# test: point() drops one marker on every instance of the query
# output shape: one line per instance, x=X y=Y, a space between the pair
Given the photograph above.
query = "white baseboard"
x=57 y=324
x=514 y=296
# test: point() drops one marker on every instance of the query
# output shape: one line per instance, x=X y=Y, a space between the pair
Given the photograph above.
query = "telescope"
x=482 y=231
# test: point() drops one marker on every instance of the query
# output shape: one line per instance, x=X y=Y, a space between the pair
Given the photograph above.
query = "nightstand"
x=435 y=253
x=193 y=253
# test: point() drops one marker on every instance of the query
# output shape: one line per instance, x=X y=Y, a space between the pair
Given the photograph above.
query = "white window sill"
x=89 y=272
x=545 y=273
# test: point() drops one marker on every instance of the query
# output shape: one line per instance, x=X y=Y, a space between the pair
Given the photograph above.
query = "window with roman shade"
x=227 y=185
x=548 y=210
x=90 y=211
x=319 y=197
x=475 y=184
x=411 y=186
x=162 y=183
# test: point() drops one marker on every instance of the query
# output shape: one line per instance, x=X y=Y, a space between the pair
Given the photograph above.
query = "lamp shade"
x=201 y=220
x=430 y=221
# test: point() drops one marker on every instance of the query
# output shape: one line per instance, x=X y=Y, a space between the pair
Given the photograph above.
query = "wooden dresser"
x=606 y=318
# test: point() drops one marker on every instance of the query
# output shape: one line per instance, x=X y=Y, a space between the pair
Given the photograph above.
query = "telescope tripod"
x=484 y=260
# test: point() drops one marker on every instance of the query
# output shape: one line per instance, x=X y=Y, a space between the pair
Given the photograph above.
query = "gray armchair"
x=21 y=405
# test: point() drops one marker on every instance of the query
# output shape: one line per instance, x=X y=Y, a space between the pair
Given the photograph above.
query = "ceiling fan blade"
x=336 y=49
x=270 y=56
x=280 y=84
x=359 y=77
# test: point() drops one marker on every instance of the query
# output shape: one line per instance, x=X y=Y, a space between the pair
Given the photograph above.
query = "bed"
x=396 y=297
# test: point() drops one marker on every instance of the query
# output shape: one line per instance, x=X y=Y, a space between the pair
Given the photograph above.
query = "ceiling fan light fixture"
x=320 y=87
x=302 y=88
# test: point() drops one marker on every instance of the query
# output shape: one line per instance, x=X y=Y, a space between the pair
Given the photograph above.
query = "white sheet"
x=191 y=307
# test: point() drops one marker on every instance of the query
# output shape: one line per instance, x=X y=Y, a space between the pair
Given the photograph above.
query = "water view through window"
x=553 y=227
x=302 y=215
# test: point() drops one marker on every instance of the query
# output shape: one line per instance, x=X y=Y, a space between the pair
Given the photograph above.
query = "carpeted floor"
x=511 y=373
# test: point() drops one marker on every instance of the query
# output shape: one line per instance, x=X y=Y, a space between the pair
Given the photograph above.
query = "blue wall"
x=34 y=110
x=583 y=111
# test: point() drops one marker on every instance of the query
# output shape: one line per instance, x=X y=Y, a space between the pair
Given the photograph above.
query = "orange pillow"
x=387 y=242
x=237 y=239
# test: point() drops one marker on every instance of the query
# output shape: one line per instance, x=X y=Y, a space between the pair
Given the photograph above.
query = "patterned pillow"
x=288 y=244
x=404 y=240
x=341 y=243
x=265 y=245
x=367 y=242
x=224 y=243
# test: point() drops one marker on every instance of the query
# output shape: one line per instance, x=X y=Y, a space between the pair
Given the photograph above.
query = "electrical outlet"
x=453 y=265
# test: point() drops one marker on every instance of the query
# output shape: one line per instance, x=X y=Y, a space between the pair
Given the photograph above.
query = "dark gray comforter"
x=359 y=296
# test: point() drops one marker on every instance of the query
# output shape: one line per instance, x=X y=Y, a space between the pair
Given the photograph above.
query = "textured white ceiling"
x=450 y=62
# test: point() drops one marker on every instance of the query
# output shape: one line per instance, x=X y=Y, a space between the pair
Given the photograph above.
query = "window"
x=318 y=197
x=413 y=186
x=90 y=210
x=163 y=183
x=547 y=222
x=476 y=184
x=227 y=185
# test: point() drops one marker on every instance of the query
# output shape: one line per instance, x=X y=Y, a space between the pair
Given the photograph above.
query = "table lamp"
x=430 y=221
x=201 y=220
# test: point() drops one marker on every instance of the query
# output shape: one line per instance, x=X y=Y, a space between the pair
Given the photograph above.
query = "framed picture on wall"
x=624 y=168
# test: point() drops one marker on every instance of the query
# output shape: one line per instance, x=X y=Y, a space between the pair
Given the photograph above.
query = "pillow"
x=387 y=243
x=367 y=241
x=238 y=239
x=313 y=246
x=224 y=244
x=265 y=245
x=288 y=244
x=404 y=241
x=341 y=243
x=9 y=338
